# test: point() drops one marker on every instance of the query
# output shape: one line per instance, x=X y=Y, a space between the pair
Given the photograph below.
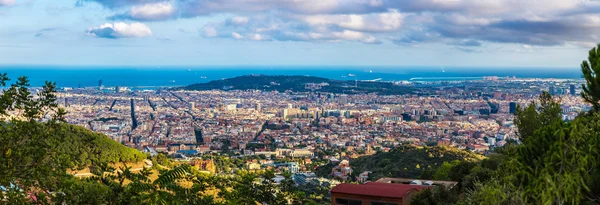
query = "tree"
x=28 y=152
x=439 y=195
x=533 y=117
x=590 y=70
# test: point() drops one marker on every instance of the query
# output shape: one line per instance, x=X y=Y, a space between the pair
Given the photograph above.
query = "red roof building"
x=374 y=193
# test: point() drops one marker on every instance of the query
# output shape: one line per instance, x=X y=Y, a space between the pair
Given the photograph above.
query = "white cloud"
x=348 y=35
x=7 y=2
x=208 y=31
x=153 y=11
x=120 y=30
x=236 y=35
x=377 y=22
x=371 y=40
x=239 y=20
x=532 y=22
x=258 y=37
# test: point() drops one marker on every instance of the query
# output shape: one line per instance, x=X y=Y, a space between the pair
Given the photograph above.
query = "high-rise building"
x=117 y=89
x=513 y=107
x=257 y=108
x=343 y=99
x=100 y=83
x=192 y=106
x=551 y=90
x=572 y=89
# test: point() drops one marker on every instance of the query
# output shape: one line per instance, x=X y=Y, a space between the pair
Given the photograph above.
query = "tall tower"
x=572 y=89
x=258 y=107
x=512 y=107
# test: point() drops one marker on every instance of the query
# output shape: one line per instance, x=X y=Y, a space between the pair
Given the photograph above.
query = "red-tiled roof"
x=377 y=189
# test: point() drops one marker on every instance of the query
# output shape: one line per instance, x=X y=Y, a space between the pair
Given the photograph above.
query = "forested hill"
x=70 y=145
x=88 y=147
x=407 y=161
x=298 y=84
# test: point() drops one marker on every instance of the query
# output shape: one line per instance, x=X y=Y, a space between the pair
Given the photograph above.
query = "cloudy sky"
x=547 y=33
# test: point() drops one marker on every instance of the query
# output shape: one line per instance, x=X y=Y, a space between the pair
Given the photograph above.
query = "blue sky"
x=546 y=33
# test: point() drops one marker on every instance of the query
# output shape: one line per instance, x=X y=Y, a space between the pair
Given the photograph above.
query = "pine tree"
x=590 y=70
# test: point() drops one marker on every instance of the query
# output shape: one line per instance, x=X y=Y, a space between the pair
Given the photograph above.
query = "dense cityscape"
x=312 y=102
x=473 y=115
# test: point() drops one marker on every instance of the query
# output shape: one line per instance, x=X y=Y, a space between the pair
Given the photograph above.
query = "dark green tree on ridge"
x=590 y=70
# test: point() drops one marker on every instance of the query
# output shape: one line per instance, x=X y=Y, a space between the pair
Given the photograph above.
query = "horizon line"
x=104 y=66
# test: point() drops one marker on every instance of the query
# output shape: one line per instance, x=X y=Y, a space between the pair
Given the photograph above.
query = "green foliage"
x=402 y=161
x=590 y=70
x=443 y=171
x=161 y=160
x=166 y=189
x=533 y=117
x=21 y=102
x=439 y=195
x=494 y=192
x=35 y=156
x=558 y=163
x=89 y=148
x=253 y=189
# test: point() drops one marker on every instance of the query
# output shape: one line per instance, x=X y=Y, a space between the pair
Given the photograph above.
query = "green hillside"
x=87 y=147
x=406 y=161
x=297 y=84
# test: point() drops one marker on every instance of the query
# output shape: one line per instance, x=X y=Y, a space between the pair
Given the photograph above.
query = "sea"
x=175 y=76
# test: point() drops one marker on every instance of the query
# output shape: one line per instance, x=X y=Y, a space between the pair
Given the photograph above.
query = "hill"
x=405 y=161
x=87 y=147
x=298 y=84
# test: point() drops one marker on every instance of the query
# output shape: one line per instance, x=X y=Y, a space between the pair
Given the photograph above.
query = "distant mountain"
x=283 y=83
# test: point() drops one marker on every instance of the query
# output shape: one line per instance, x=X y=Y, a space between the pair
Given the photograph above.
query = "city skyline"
x=294 y=33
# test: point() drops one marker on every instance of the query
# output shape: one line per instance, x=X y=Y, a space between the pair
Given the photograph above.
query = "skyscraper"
x=513 y=107
x=551 y=90
x=572 y=89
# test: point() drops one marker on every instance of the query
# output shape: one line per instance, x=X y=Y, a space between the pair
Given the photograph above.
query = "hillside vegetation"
x=409 y=162
x=556 y=161
x=297 y=84
x=406 y=162
x=89 y=148
x=38 y=154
